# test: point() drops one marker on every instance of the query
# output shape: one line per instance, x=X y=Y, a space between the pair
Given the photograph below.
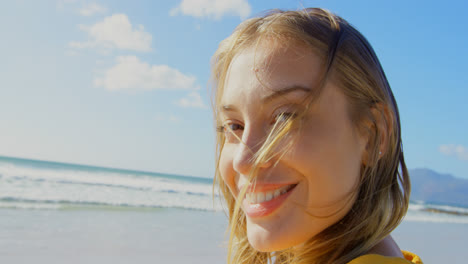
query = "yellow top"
x=410 y=258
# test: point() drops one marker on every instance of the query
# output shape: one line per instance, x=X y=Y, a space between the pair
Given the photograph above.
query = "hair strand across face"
x=382 y=194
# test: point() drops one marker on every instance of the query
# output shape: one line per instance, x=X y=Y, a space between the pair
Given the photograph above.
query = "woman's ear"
x=378 y=127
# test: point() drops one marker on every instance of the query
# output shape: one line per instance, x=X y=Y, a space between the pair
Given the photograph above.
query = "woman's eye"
x=229 y=127
x=232 y=131
x=232 y=127
x=285 y=116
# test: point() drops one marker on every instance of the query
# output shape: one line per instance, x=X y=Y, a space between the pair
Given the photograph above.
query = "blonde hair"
x=349 y=61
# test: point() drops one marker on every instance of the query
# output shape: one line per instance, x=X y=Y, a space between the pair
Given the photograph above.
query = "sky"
x=125 y=84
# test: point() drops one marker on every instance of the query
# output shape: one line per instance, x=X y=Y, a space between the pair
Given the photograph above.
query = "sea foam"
x=38 y=185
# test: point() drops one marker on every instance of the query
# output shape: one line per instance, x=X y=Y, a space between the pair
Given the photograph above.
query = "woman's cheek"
x=226 y=168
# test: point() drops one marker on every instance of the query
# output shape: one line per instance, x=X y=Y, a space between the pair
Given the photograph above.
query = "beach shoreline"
x=130 y=236
x=168 y=236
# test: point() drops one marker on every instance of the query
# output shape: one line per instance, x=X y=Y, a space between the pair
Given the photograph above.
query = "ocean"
x=37 y=185
x=42 y=185
x=54 y=212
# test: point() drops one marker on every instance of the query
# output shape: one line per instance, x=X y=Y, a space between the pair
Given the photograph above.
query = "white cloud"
x=170 y=118
x=71 y=53
x=193 y=100
x=92 y=9
x=214 y=9
x=115 y=31
x=132 y=74
x=454 y=150
x=174 y=119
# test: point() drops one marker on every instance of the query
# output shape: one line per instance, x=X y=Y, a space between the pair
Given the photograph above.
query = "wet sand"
x=168 y=236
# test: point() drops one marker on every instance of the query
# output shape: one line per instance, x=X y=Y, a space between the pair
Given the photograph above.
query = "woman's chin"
x=262 y=245
x=264 y=240
x=270 y=235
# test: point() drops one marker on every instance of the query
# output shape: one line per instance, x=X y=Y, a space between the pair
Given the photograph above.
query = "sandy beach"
x=434 y=242
x=91 y=236
x=167 y=236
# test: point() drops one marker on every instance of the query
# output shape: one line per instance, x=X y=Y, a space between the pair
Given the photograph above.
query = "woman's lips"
x=264 y=200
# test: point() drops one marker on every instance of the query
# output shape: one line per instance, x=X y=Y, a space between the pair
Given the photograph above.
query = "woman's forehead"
x=264 y=70
x=266 y=51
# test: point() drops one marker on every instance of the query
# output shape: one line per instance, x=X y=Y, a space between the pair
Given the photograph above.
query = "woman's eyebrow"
x=228 y=108
x=270 y=97
x=284 y=91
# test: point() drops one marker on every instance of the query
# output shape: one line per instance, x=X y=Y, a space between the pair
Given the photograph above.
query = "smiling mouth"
x=266 y=196
x=266 y=199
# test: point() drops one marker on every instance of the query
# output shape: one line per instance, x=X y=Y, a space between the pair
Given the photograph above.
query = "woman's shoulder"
x=409 y=258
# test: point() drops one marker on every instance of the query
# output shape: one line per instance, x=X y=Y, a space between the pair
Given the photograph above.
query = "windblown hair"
x=382 y=195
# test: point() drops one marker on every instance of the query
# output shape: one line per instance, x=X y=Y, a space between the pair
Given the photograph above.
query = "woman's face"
x=312 y=185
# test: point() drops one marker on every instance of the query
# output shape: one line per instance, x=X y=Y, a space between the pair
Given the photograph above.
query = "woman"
x=309 y=157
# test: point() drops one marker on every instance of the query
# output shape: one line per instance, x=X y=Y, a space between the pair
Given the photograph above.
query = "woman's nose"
x=246 y=152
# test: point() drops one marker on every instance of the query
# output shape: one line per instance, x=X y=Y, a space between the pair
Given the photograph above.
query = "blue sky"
x=124 y=83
